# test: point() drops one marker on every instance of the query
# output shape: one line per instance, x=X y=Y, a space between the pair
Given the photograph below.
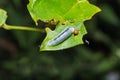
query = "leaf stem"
x=10 y=27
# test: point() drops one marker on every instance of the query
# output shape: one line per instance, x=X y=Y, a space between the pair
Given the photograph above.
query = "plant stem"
x=9 y=27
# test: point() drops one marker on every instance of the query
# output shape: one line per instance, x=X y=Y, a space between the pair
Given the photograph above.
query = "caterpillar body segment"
x=67 y=32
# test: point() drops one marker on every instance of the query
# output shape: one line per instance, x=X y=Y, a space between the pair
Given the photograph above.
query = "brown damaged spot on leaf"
x=52 y=23
x=63 y=23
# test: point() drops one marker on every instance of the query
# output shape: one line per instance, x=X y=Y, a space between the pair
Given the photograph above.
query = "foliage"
x=63 y=13
x=21 y=59
x=75 y=11
x=3 y=17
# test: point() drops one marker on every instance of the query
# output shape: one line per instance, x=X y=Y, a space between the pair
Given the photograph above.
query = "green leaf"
x=62 y=10
x=3 y=17
x=76 y=11
x=72 y=41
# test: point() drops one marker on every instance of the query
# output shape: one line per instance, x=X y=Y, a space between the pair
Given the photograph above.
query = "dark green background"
x=20 y=58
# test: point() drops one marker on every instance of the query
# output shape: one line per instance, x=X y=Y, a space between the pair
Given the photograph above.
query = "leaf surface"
x=3 y=17
x=75 y=11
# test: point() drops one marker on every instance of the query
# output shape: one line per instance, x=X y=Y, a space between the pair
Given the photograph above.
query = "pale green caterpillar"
x=67 y=32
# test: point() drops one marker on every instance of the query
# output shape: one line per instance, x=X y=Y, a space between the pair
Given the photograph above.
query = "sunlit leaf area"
x=97 y=58
x=59 y=12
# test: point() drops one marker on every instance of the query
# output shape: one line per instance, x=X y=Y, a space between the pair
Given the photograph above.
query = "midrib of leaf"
x=33 y=1
x=70 y=9
x=40 y=2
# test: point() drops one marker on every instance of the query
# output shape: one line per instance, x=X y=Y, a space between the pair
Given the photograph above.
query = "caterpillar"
x=61 y=37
